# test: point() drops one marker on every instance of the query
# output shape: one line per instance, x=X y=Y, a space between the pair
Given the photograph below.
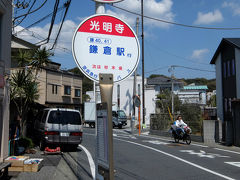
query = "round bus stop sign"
x=105 y=44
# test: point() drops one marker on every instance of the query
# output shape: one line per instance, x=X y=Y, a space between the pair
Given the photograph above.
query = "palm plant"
x=23 y=92
x=23 y=57
x=40 y=58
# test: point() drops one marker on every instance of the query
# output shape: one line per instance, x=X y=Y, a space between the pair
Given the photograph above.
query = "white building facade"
x=123 y=97
x=193 y=94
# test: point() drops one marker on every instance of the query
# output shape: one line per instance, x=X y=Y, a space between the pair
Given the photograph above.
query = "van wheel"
x=42 y=145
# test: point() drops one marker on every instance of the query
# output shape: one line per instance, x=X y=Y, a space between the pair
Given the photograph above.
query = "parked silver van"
x=57 y=126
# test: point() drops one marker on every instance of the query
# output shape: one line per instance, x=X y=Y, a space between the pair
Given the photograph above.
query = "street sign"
x=108 y=1
x=137 y=101
x=105 y=44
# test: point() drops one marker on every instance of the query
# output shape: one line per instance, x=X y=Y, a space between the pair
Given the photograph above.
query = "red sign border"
x=73 y=49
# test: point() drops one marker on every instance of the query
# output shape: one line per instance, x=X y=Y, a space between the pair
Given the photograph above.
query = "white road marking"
x=121 y=131
x=204 y=154
x=156 y=142
x=169 y=140
x=180 y=159
x=145 y=133
x=234 y=163
x=124 y=136
x=227 y=150
x=90 y=159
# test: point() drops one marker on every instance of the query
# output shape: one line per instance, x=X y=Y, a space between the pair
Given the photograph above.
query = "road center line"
x=90 y=159
x=180 y=159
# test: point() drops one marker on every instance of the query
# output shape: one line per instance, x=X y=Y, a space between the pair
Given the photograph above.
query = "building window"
x=225 y=104
x=224 y=70
x=67 y=90
x=233 y=67
x=54 y=89
x=228 y=69
x=77 y=92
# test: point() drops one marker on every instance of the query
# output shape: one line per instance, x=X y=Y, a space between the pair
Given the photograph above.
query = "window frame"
x=233 y=67
x=67 y=90
x=76 y=94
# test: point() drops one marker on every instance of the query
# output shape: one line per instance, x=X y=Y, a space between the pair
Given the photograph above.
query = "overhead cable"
x=178 y=24
x=40 y=20
x=24 y=15
x=52 y=23
x=67 y=4
x=196 y=69
x=31 y=11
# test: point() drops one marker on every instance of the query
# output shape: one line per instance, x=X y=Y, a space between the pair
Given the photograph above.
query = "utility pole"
x=134 y=82
x=143 y=90
x=171 y=69
x=135 y=73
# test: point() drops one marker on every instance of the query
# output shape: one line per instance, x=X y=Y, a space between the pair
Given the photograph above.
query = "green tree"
x=23 y=92
x=165 y=101
x=213 y=101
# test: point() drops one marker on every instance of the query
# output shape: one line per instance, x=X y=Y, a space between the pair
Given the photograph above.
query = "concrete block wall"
x=209 y=131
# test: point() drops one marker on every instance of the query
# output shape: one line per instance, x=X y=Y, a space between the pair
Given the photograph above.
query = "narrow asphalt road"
x=147 y=157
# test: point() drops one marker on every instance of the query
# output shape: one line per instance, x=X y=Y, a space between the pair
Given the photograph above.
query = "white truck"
x=90 y=113
x=119 y=118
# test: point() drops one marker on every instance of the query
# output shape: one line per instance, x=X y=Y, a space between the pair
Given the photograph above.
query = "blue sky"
x=165 y=44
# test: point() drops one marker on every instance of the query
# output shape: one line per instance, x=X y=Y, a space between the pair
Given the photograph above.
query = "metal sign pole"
x=106 y=90
x=100 y=9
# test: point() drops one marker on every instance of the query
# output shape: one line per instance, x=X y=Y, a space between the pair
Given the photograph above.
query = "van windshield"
x=64 y=117
x=121 y=114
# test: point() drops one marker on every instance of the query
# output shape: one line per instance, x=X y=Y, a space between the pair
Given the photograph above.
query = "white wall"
x=219 y=92
x=237 y=61
x=126 y=94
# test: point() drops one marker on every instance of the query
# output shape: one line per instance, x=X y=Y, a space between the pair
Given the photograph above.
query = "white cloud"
x=235 y=7
x=36 y=34
x=152 y=8
x=199 y=54
x=209 y=18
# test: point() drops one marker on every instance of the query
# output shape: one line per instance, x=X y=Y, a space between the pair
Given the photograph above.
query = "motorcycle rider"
x=179 y=125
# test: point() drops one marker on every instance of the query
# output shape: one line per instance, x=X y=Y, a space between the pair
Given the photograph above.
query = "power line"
x=196 y=69
x=178 y=24
x=40 y=20
x=67 y=4
x=52 y=23
x=157 y=69
x=31 y=11
x=25 y=14
x=180 y=57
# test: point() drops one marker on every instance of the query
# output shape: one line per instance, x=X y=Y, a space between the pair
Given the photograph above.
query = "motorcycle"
x=185 y=136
